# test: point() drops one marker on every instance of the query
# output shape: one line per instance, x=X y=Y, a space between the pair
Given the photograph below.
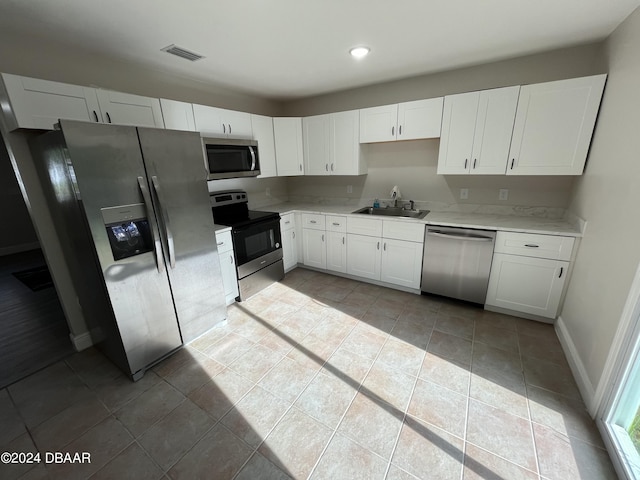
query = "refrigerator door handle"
x=152 y=220
x=167 y=224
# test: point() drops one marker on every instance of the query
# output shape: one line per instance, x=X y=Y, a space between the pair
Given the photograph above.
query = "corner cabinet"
x=331 y=144
x=404 y=121
x=289 y=241
x=553 y=126
x=476 y=131
x=528 y=273
x=262 y=128
x=287 y=132
x=227 y=265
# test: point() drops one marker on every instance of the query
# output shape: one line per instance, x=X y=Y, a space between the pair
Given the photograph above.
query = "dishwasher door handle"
x=471 y=238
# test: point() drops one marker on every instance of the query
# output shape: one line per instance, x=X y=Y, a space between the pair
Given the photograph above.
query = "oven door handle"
x=166 y=222
x=253 y=156
x=152 y=221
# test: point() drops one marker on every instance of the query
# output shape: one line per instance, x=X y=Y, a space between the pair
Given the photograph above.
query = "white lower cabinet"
x=337 y=252
x=529 y=272
x=526 y=284
x=289 y=241
x=314 y=249
x=401 y=263
x=363 y=256
x=227 y=265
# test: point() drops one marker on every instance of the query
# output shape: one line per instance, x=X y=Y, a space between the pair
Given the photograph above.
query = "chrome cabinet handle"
x=323 y=237
x=152 y=220
x=343 y=240
x=332 y=167
x=231 y=259
x=466 y=160
x=378 y=247
x=336 y=224
x=229 y=128
x=108 y=117
x=95 y=114
x=220 y=244
x=384 y=246
x=393 y=131
x=561 y=270
x=300 y=167
x=166 y=221
x=474 y=162
x=287 y=222
x=312 y=221
x=400 y=130
x=531 y=245
x=513 y=160
x=293 y=234
x=224 y=128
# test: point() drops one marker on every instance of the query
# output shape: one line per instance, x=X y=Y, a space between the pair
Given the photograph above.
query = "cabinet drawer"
x=533 y=245
x=287 y=222
x=336 y=223
x=313 y=220
x=364 y=226
x=224 y=242
x=412 y=232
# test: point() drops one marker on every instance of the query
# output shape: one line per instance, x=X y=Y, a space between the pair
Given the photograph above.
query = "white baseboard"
x=82 y=341
x=23 y=247
x=577 y=367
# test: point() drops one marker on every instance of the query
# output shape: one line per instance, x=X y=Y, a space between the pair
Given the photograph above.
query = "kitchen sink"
x=393 y=212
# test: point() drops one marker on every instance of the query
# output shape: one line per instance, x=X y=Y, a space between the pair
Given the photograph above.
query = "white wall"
x=608 y=196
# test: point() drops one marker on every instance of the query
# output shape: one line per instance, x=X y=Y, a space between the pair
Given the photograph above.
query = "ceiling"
x=287 y=49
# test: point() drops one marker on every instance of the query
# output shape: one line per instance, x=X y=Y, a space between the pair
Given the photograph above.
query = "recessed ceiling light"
x=359 y=52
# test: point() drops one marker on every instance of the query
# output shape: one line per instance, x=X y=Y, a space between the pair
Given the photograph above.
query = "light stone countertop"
x=509 y=223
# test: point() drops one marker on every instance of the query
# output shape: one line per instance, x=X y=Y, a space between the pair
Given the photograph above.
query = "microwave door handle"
x=253 y=158
x=152 y=220
x=167 y=223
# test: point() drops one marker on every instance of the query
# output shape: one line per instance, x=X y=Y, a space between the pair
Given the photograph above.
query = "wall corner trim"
x=577 y=367
x=82 y=341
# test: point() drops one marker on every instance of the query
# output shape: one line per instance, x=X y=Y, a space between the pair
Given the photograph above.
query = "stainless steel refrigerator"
x=131 y=209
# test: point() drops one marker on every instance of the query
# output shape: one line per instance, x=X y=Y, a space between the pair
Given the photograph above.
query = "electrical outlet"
x=349 y=188
x=268 y=192
x=504 y=194
x=464 y=193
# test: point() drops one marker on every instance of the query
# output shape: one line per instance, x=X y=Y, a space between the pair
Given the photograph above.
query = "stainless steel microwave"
x=231 y=158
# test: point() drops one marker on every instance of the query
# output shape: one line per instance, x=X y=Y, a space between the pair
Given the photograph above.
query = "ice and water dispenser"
x=128 y=230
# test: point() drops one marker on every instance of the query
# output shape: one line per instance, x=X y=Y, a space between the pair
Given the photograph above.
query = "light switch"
x=464 y=193
x=504 y=194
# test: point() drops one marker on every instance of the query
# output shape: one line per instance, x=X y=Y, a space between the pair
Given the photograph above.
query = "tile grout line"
x=466 y=420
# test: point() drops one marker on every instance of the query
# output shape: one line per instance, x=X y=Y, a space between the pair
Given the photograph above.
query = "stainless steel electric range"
x=257 y=243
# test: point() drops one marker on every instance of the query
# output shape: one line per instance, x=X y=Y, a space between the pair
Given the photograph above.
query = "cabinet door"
x=363 y=256
x=553 y=126
x=288 y=139
x=401 y=262
x=262 y=128
x=420 y=119
x=458 y=128
x=337 y=251
x=40 y=104
x=344 y=153
x=177 y=115
x=315 y=133
x=236 y=124
x=314 y=250
x=126 y=109
x=526 y=284
x=378 y=124
x=494 y=127
x=208 y=120
x=289 y=249
x=229 y=276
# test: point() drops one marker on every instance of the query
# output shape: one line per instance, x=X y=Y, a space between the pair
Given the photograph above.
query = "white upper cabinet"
x=553 y=126
x=218 y=122
x=476 y=131
x=262 y=128
x=315 y=134
x=40 y=104
x=177 y=115
x=126 y=109
x=404 y=121
x=331 y=144
x=287 y=132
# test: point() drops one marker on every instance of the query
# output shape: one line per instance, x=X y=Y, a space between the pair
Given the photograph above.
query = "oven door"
x=257 y=245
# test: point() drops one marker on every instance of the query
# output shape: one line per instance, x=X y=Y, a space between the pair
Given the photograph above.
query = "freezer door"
x=178 y=183
x=105 y=165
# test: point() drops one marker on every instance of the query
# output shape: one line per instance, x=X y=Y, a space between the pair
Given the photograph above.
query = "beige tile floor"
x=325 y=378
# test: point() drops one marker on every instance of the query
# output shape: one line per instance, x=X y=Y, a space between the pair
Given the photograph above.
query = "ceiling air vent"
x=181 y=52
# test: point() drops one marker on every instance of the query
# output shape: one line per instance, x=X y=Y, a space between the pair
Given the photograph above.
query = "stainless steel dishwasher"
x=456 y=262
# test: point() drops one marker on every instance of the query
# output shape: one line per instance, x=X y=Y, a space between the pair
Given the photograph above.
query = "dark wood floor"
x=33 y=328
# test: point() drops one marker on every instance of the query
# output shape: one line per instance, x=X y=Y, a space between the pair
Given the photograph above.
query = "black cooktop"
x=230 y=209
